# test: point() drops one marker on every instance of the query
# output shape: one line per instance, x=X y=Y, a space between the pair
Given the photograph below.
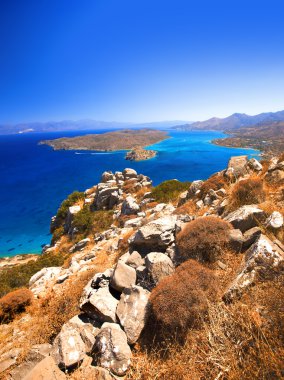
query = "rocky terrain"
x=176 y=290
x=140 y=154
x=110 y=141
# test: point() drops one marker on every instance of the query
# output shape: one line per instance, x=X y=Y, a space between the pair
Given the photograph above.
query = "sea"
x=34 y=179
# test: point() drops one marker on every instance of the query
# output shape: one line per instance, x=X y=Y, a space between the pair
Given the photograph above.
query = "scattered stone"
x=194 y=188
x=199 y=204
x=221 y=265
x=39 y=280
x=246 y=217
x=81 y=244
x=262 y=257
x=133 y=222
x=159 y=266
x=123 y=277
x=132 y=311
x=114 y=352
x=275 y=220
x=94 y=373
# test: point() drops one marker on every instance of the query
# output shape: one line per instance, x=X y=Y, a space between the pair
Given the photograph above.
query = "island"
x=127 y=139
x=140 y=154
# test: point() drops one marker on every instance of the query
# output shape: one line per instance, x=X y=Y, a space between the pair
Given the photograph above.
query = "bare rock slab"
x=45 y=370
x=113 y=351
x=132 y=311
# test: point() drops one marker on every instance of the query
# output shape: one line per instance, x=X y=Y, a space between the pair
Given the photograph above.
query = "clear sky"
x=140 y=60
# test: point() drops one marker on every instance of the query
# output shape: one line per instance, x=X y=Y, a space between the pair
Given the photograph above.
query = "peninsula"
x=111 y=141
x=268 y=138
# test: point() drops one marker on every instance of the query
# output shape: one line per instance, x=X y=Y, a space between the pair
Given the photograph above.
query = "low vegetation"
x=14 y=303
x=215 y=182
x=186 y=292
x=169 y=191
x=203 y=239
x=63 y=209
x=247 y=192
x=19 y=275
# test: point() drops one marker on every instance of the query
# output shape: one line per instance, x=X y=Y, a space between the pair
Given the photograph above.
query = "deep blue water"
x=35 y=179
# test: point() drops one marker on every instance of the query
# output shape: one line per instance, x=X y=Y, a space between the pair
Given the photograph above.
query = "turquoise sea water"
x=34 y=179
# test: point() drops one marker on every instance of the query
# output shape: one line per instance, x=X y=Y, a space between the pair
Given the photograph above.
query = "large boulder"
x=254 y=164
x=260 y=259
x=246 y=217
x=132 y=311
x=236 y=240
x=99 y=304
x=237 y=167
x=73 y=210
x=107 y=176
x=129 y=173
x=114 y=353
x=129 y=206
x=159 y=266
x=124 y=276
x=107 y=196
x=39 y=281
x=135 y=260
x=154 y=236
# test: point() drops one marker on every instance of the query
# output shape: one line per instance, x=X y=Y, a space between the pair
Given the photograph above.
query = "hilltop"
x=120 y=140
x=178 y=281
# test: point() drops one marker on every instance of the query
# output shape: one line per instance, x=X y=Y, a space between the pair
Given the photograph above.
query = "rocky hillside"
x=181 y=281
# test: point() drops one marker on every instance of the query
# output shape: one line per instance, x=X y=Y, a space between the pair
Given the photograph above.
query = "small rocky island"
x=140 y=154
x=134 y=140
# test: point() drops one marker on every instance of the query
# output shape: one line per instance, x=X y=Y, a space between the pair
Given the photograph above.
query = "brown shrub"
x=248 y=191
x=203 y=239
x=14 y=303
x=280 y=158
x=215 y=182
x=180 y=301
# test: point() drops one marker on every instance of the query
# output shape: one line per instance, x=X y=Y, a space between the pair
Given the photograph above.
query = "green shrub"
x=57 y=234
x=169 y=191
x=63 y=209
x=87 y=221
x=19 y=276
x=203 y=239
x=14 y=303
x=180 y=301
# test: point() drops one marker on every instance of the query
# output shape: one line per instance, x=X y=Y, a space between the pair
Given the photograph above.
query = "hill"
x=233 y=122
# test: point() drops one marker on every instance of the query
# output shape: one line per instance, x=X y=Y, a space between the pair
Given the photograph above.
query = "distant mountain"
x=233 y=122
x=79 y=125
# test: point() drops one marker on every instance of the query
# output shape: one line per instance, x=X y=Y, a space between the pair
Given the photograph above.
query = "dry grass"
x=203 y=239
x=123 y=243
x=247 y=192
x=14 y=303
x=244 y=340
x=215 y=182
x=186 y=292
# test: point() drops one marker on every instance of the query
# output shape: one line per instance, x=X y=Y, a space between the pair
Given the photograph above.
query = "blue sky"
x=139 y=60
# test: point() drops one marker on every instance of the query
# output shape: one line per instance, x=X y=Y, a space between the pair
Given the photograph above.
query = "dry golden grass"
x=203 y=239
x=246 y=192
x=215 y=182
